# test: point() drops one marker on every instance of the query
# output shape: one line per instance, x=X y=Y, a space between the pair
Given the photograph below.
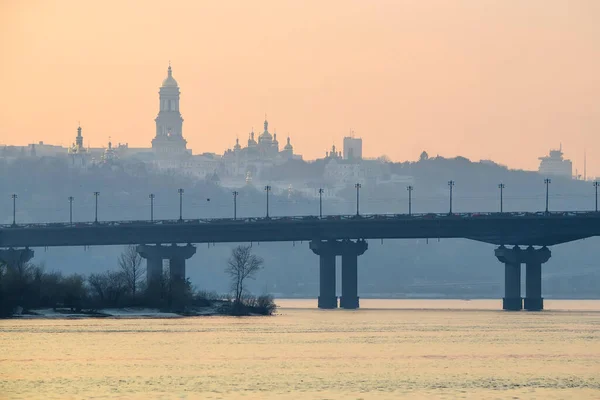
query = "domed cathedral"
x=169 y=141
x=268 y=145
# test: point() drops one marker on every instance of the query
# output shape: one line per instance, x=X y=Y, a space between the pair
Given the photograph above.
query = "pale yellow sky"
x=499 y=79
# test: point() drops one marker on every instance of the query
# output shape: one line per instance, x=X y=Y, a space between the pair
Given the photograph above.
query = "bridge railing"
x=283 y=219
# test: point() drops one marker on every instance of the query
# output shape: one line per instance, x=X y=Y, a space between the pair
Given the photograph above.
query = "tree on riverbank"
x=130 y=263
x=242 y=265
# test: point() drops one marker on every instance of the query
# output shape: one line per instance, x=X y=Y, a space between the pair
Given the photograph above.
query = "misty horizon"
x=506 y=82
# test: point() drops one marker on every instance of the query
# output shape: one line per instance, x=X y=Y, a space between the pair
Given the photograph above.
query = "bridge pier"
x=327 y=252
x=533 y=277
x=512 y=300
x=16 y=257
x=154 y=255
x=350 y=252
x=512 y=259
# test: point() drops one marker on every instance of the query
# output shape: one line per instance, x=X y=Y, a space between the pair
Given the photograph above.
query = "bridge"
x=328 y=236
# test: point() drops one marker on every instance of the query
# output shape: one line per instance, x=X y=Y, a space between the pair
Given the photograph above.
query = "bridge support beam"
x=512 y=259
x=327 y=252
x=16 y=257
x=176 y=255
x=533 y=277
x=350 y=252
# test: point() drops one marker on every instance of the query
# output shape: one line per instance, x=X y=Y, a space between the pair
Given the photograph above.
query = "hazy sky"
x=499 y=79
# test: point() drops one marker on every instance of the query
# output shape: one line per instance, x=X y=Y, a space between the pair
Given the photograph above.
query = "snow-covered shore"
x=124 y=313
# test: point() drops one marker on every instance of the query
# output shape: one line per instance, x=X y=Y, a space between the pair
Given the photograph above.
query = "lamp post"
x=235 y=195
x=357 y=186
x=596 y=184
x=71 y=198
x=410 y=189
x=450 y=185
x=267 y=189
x=96 y=194
x=151 y=196
x=180 y=191
x=321 y=202
x=501 y=186
x=14 y=197
x=547 y=181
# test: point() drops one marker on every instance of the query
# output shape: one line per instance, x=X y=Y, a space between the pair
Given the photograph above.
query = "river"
x=389 y=349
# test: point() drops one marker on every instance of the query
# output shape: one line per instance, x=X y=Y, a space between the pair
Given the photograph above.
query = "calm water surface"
x=389 y=349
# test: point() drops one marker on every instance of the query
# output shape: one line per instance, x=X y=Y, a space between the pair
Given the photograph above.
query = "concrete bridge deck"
x=329 y=237
x=520 y=228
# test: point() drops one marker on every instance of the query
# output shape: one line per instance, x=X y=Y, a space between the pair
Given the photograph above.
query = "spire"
x=169 y=80
x=266 y=124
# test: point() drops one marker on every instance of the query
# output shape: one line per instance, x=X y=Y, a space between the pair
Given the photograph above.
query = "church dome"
x=265 y=136
x=169 y=80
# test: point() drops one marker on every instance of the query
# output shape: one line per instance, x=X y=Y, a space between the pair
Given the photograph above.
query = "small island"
x=28 y=291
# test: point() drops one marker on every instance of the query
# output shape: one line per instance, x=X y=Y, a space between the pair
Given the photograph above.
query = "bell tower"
x=169 y=139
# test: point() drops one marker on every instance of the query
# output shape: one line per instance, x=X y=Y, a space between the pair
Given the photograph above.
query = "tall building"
x=79 y=155
x=555 y=165
x=352 y=148
x=169 y=140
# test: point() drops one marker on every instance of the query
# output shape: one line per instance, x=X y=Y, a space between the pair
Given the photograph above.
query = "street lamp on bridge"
x=267 y=189
x=321 y=202
x=547 y=181
x=450 y=185
x=357 y=186
x=14 y=197
x=180 y=191
x=235 y=195
x=410 y=189
x=501 y=186
x=96 y=194
x=71 y=198
x=596 y=184
x=151 y=196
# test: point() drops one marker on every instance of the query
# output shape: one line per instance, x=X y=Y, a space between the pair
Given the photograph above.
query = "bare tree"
x=130 y=263
x=242 y=265
x=108 y=288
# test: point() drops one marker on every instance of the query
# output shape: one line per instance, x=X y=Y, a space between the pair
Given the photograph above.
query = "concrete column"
x=326 y=252
x=349 y=297
x=154 y=268
x=154 y=272
x=177 y=270
x=176 y=256
x=533 y=287
x=512 y=287
x=350 y=252
x=533 y=259
x=327 y=296
x=511 y=258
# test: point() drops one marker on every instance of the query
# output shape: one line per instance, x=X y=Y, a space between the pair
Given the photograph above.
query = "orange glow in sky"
x=485 y=79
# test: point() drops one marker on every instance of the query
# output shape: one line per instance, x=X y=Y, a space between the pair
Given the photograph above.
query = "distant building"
x=79 y=155
x=352 y=148
x=555 y=165
x=169 y=141
x=257 y=154
x=333 y=154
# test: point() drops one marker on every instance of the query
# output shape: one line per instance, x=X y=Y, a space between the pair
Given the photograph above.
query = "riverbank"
x=122 y=313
